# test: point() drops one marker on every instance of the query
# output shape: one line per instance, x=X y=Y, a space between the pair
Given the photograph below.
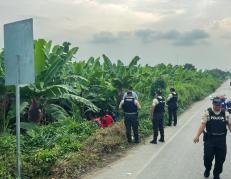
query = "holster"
x=208 y=135
x=205 y=136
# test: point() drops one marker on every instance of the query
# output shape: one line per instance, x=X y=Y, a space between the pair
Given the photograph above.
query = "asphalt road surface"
x=177 y=158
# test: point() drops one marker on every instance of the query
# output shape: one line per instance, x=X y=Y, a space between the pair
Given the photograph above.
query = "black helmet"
x=217 y=101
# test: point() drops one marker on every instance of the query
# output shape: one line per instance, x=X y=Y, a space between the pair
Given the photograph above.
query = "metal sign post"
x=18 y=120
x=19 y=66
x=18 y=131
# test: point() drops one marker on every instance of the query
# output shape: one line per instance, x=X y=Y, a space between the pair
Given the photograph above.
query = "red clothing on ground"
x=106 y=121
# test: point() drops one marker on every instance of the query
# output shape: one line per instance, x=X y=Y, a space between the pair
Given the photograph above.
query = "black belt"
x=215 y=134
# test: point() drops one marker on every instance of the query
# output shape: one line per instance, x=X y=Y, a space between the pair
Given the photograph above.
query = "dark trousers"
x=158 y=125
x=215 y=146
x=172 y=113
x=131 y=123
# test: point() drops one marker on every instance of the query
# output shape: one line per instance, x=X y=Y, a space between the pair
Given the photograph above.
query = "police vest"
x=216 y=125
x=159 y=108
x=129 y=105
x=228 y=104
x=174 y=98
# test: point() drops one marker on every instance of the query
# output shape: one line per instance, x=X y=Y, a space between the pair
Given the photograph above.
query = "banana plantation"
x=61 y=142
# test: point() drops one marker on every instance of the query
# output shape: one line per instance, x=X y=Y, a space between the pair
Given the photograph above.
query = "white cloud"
x=222 y=25
x=75 y=19
x=187 y=38
x=116 y=16
x=83 y=22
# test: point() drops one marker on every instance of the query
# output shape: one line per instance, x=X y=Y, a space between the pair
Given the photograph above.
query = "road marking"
x=170 y=139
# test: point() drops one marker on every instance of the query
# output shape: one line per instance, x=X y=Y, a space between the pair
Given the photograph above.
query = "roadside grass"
x=95 y=153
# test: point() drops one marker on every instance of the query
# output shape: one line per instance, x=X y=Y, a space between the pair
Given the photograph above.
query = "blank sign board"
x=19 y=52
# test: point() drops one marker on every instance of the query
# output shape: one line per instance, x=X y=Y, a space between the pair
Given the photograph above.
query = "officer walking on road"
x=213 y=125
x=130 y=107
x=157 y=116
x=172 y=106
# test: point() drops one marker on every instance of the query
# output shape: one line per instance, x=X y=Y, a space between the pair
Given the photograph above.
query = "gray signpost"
x=19 y=65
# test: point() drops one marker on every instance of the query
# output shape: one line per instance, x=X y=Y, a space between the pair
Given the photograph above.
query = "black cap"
x=129 y=92
x=217 y=101
x=158 y=92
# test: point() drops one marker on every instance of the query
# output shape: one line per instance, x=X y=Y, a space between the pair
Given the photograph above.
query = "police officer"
x=172 y=107
x=133 y=93
x=157 y=115
x=130 y=107
x=228 y=104
x=223 y=101
x=213 y=125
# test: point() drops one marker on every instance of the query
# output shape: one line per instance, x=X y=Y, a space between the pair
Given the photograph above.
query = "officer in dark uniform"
x=172 y=106
x=157 y=116
x=130 y=107
x=213 y=126
x=229 y=106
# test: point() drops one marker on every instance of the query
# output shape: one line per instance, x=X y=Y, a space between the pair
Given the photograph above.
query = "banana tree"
x=53 y=76
x=51 y=67
x=6 y=99
x=95 y=84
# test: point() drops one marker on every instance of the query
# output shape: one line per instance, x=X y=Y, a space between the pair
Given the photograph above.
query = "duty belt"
x=218 y=134
x=215 y=134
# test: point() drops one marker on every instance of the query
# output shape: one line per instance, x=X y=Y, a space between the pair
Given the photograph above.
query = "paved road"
x=177 y=158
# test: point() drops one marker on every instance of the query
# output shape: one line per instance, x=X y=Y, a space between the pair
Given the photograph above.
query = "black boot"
x=216 y=177
x=161 y=139
x=154 y=141
x=206 y=173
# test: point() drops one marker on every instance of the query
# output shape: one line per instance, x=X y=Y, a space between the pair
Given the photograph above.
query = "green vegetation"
x=64 y=143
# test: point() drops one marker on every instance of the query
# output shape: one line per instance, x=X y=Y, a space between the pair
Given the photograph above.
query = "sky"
x=158 y=31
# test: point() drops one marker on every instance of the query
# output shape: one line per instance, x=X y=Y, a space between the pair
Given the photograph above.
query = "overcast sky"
x=159 y=31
